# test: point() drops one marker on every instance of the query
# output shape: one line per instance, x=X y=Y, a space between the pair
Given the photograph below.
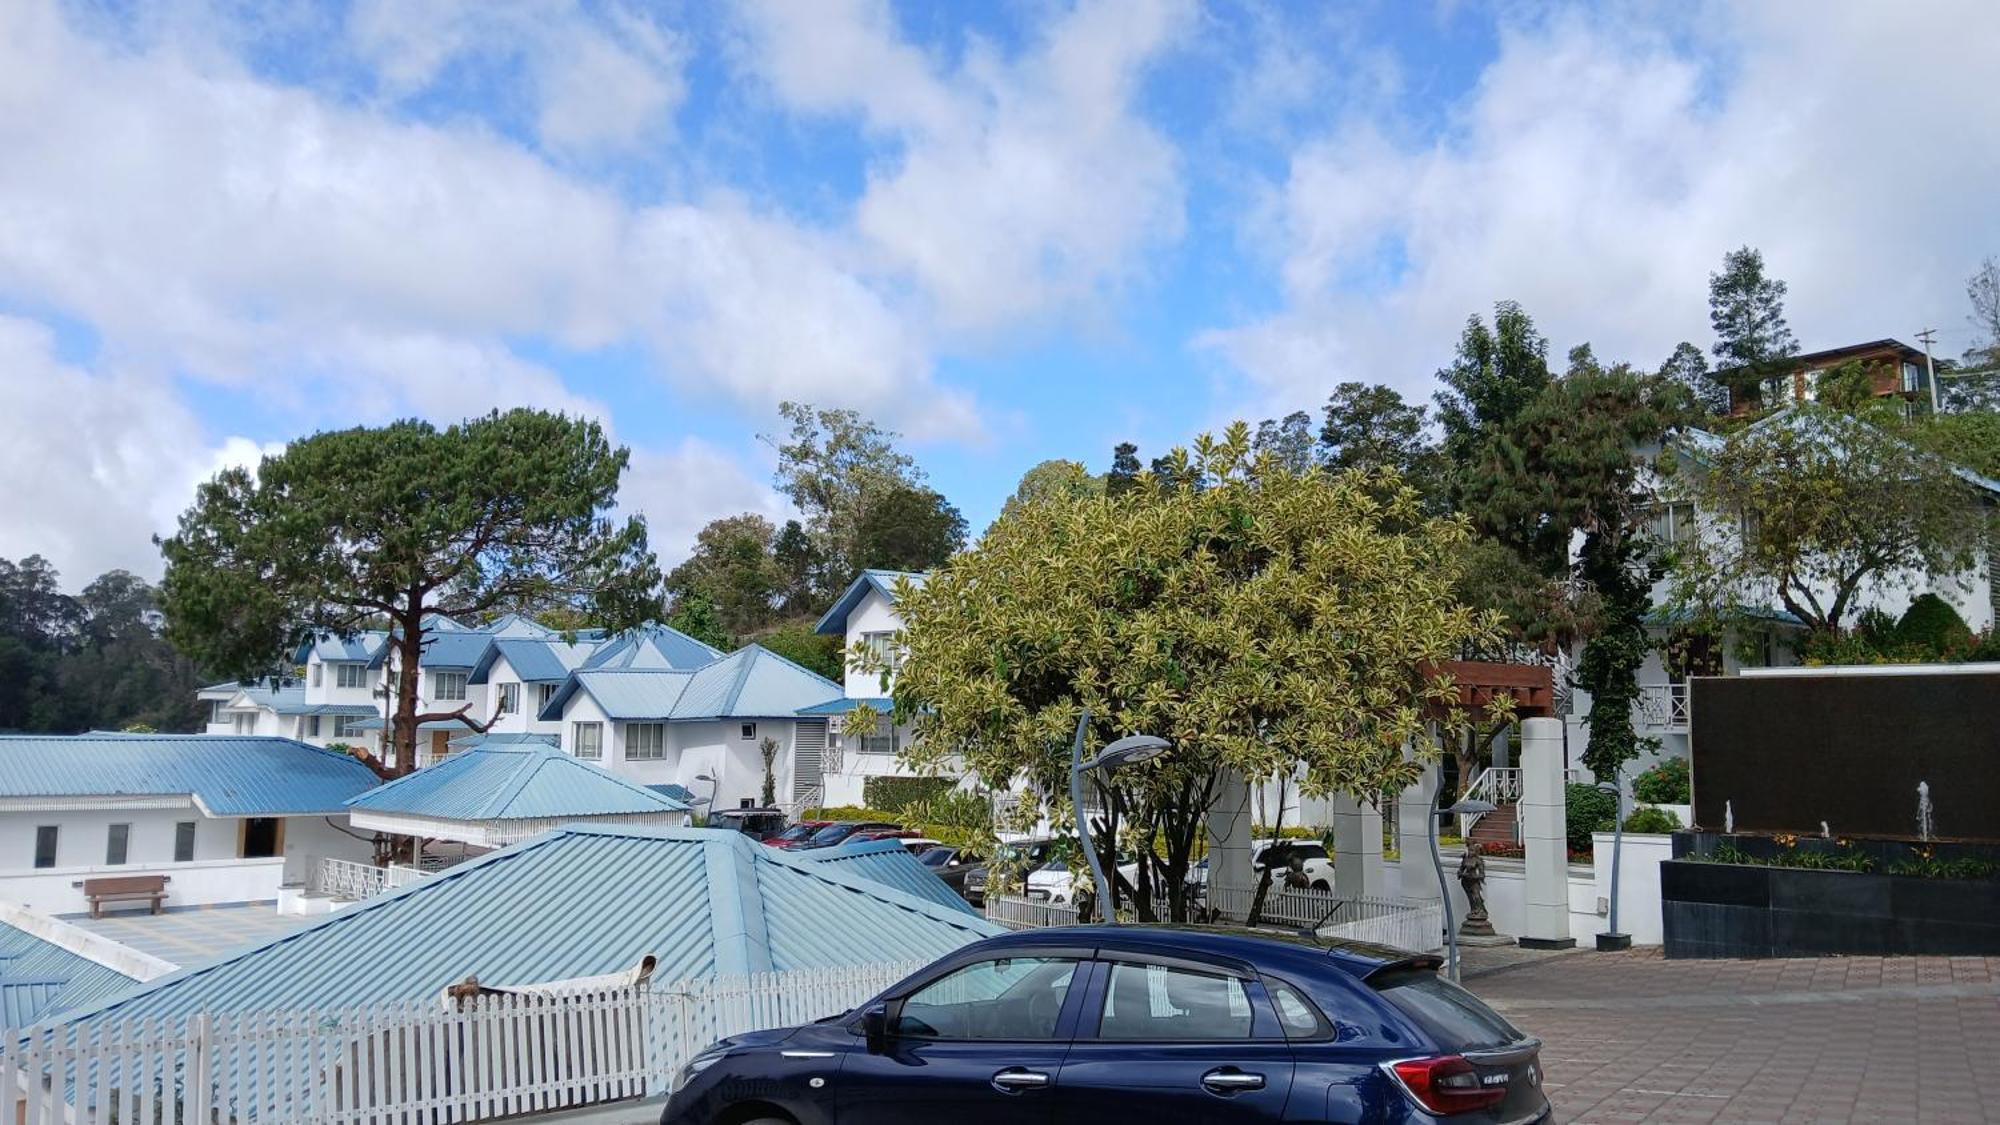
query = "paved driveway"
x=1633 y=1037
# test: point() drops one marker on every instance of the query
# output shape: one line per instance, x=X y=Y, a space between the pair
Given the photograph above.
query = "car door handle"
x=1231 y=1081
x=1014 y=1080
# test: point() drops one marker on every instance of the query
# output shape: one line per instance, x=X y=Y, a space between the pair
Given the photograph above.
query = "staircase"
x=1495 y=827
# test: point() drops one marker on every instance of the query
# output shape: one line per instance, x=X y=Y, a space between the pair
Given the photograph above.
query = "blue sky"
x=1009 y=231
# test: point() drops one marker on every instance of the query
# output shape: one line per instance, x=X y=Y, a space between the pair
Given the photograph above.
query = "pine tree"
x=1753 y=343
x=1688 y=367
x=1124 y=469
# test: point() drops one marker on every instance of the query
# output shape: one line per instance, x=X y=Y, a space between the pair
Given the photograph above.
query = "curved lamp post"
x=714 y=787
x=1124 y=752
x=1468 y=807
x=1612 y=939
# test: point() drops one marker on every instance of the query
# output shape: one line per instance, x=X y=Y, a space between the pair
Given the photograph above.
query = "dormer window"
x=350 y=675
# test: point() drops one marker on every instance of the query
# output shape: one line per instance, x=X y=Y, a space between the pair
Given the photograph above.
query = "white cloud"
x=1019 y=189
x=1599 y=170
x=681 y=488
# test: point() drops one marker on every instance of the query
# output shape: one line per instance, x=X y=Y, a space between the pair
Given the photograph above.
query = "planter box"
x=1731 y=910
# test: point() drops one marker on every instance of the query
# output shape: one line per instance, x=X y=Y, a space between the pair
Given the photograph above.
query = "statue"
x=1472 y=876
x=1295 y=874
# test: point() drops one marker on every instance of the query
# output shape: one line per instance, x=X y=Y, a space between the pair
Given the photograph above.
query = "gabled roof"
x=1702 y=444
x=229 y=775
x=577 y=902
x=39 y=978
x=751 y=683
x=652 y=646
x=891 y=864
x=523 y=781
x=534 y=659
x=883 y=582
x=502 y=738
x=843 y=706
x=362 y=646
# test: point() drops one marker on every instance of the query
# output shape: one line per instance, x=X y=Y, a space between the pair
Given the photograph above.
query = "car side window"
x=1296 y=1014
x=1005 y=998
x=1169 y=1002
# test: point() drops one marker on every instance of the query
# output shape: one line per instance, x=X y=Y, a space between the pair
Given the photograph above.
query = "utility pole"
x=1930 y=370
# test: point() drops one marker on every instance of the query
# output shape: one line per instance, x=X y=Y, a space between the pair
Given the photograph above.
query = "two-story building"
x=1893 y=369
x=864 y=618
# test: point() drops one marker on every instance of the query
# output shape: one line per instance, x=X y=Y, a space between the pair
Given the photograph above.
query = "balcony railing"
x=1662 y=707
x=345 y=879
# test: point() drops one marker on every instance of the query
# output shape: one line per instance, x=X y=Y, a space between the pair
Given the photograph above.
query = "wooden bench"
x=125 y=888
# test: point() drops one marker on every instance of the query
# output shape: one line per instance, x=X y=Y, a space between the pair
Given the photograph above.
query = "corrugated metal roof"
x=327 y=646
x=834 y=621
x=533 y=660
x=750 y=683
x=889 y=863
x=231 y=775
x=843 y=706
x=523 y=781
x=455 y=649
x=503 y=738
x=573 y=903
x=652 y=646
x=40 y=978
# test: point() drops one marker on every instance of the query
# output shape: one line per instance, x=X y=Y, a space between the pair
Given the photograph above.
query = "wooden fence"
x=494 y=1055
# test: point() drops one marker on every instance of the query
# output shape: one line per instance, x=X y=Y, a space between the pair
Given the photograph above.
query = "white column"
x=1229 y=826
x=1413 y=836
x=1545 y=923
x=1357 y=847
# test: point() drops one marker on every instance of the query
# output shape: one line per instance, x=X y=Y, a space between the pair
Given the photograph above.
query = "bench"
x=125 y=888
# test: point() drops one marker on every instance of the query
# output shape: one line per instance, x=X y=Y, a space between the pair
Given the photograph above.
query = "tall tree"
x=693 y=612
x=732 y=570
x=1371 y=427
x=1819 y=507
x=906 y=527
x=1496 y=373
x=1124 y=469
x=1983 y=290
x=398 y=524
x=1753 y=344
x=800 y=569
x=1289 y=439
x=1258 y=618
x=1054 y=478
x=831 y=464
x=1689 y=367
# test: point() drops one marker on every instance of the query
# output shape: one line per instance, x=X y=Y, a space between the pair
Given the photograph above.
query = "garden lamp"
x=1470 y=806
x=1124 y=752
x=1612 y=939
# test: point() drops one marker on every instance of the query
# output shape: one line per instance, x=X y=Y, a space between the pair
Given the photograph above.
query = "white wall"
x=873 y=614
x=1589 y=889
x=83 y=835
x=204 y=883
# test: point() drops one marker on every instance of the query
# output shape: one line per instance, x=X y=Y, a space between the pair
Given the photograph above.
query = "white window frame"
x=318 y=673
x=312 y=726
x=350 y=674
x=645 y=742
x=881 y=740
x=343 y=725
x=117 y=844
x=185 y=831
x=54 y=832
x=509 y=699
x=448 y=687
x=543 y=694
x=589 y=749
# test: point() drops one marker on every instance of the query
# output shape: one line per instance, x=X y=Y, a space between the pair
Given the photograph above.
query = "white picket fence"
x=1413 y=924
x=479 y=1058
x=1017 y=913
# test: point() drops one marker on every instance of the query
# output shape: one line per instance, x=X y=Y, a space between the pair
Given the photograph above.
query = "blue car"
x=1097 y=1025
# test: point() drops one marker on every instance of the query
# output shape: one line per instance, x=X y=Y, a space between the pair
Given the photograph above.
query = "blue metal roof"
x=751 y=683
x=573 y=903
x=39 y=978
x=230 y=775
x=534 y=660
x=889 y=863
x=843 y=706
x=679 y=793
x=361 y=646
x=652 y=646
x=525 y=781
x=503 y=738
x=834 y=622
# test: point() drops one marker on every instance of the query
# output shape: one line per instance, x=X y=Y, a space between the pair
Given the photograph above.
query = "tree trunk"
x=409 y=655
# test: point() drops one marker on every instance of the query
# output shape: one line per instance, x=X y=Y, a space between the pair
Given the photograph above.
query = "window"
x=588 y=739
x=448 y=686
x=45 y=845
x=510 y=699
x=117 y=844
x=347 y=726
x=215 y=715
x=644 y=741
x=544 y=693
x=184 y=842
x=1159 y=1002
x=1296 y=1014
x=263 y=837
x=245 y=722
x=312 y=726
x=1669 y=524
x=749 y=730
x=350 y=675
x=317 y=671
x=881 y=740
x=1913 y=378
x=1009 y=998
x=884 y=646
x=1448 y=1013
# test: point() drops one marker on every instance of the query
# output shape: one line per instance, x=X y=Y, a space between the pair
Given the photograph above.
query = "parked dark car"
x=838 y=833
x=953 y=865
x=1135 y=1023
x=797 y=834
x=1023 y=855
x=758 y=824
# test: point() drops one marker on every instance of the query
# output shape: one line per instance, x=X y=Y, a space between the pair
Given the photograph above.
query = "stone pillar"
x=1413 y=836
x=1357 y=847
x=1545 y=922
x=1229 y=826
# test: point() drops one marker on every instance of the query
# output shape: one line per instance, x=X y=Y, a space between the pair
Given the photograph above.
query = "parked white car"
x=1277 y=854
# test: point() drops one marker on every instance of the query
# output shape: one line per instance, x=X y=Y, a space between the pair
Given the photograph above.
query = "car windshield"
x=1457 y=1019
x=834 y=833
x=797 y=832
x=935 y=857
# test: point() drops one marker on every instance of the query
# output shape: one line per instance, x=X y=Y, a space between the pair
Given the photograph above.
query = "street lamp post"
x=1125 y=751
x=714 y=787
x=1468 y=807
x=1612 y=939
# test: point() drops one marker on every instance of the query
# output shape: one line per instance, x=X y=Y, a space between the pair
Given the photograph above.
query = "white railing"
x=1017 y=913
x=1404 y=923
x=1662 y=707
x=485 y=1057
x=1502 y=786
x=346 y=879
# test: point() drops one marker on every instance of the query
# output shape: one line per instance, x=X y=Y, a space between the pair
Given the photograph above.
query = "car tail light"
x=1447 y=1084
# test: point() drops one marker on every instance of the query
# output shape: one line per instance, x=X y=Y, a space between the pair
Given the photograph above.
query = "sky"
x=1008 y=231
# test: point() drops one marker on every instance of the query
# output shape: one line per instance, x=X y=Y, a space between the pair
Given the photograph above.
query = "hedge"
x=898 y=793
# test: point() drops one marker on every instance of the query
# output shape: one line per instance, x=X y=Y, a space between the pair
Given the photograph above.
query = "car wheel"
x=1320 y=885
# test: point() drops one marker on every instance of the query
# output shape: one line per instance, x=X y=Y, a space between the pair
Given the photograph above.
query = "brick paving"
x=1633 y=1037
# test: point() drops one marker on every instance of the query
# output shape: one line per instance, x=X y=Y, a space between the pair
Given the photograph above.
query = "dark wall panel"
x=1788 y=752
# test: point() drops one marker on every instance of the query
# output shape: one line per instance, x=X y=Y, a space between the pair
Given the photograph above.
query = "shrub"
x=1667 y=783
x=1651 y=820
x=1589 y=810
x=898 y=793
x=1931 y=624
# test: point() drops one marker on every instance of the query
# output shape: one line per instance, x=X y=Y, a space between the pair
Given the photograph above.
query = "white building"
x=225 y=819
